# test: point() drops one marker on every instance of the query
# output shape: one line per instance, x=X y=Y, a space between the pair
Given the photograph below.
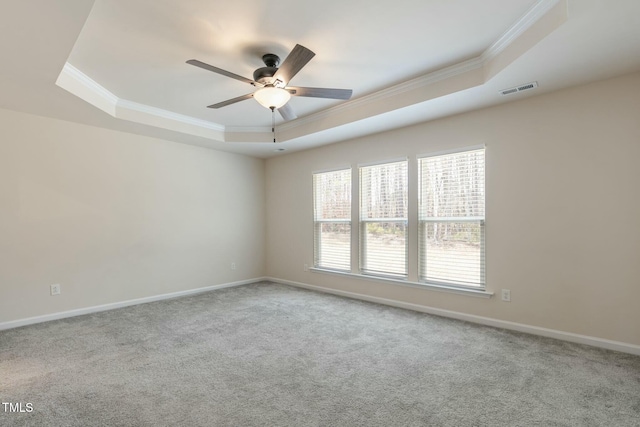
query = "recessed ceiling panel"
x=137 y=49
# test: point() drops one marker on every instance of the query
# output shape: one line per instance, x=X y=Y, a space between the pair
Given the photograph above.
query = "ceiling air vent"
x=520 y=88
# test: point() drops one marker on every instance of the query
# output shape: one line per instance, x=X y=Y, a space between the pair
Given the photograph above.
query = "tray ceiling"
x=412 y=62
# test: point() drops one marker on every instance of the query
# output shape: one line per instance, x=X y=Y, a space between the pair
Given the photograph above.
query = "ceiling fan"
x=271 y=81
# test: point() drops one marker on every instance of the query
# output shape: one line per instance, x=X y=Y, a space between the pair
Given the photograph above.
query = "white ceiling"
x=121 y=64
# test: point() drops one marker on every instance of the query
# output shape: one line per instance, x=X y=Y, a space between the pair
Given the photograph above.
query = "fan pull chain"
x=273 y=123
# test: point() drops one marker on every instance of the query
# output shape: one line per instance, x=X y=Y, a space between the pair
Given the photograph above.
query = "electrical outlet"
x=233 y=265
x=506 y=295
x=55 y=289
x=306 y=267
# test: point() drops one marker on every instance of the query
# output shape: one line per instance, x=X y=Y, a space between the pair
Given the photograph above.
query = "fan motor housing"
x=264 y=75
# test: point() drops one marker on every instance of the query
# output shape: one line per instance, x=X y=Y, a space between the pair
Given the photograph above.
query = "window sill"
x=430 y=286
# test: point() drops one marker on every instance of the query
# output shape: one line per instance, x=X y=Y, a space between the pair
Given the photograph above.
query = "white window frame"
x=424 y=222
x=318 y=223
x=363 y=222
x=412 y=238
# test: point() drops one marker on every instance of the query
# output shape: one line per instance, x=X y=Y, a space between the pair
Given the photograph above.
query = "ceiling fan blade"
x=231 y=101
x=320 y=92
x=297 y=59
x=219 y=71
x=286 y=111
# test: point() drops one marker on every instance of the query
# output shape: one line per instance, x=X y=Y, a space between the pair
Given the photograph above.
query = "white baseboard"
x=520 y=327
x=97 y=308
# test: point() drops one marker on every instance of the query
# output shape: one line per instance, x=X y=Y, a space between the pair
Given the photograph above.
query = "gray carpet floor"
x=272 y=355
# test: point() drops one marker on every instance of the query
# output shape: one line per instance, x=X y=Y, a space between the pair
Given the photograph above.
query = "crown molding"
x=249 y=129
x=83 y=86
x=389 y=92
x=89 y=83
x=166 y=114
x=454 y=78
x=531 y=16
x=525 y=22
x=76 y=82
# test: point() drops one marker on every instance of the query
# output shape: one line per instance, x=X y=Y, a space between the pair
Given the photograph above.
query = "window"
x=383 y=219
x=332 y=219
x=447 y=246
x=451 y=219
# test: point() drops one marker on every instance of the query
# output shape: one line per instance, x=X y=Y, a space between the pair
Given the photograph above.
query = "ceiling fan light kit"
x=272 y=97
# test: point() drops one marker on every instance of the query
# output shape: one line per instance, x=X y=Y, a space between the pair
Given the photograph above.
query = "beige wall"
x=112 y=216
x=563 y=205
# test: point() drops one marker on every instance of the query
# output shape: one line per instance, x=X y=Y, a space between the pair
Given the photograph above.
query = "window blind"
x=332 y=219
x=451 y=218
x=383 y=219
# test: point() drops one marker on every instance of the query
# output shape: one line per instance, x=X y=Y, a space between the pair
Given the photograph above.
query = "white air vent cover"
x=520 y=88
